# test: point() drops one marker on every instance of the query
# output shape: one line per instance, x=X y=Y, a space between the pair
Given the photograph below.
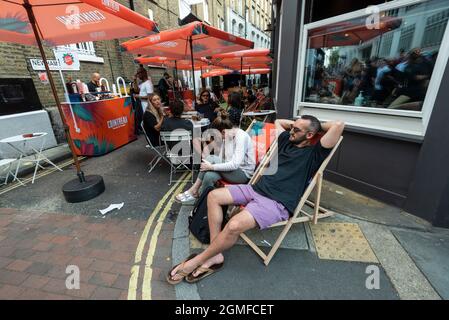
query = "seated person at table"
x=176 y=122
x=153 y=118
x=235 y=108
x=207 y=107
x=272 y=199
x=235 y=162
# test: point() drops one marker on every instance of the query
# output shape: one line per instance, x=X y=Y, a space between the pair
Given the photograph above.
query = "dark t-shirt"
x=295 y=168
x=171 y=124
x=149 y=121
x=92 y=87
x=208 y=110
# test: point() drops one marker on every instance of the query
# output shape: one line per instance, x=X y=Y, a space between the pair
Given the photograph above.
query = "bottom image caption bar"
x=206 y=311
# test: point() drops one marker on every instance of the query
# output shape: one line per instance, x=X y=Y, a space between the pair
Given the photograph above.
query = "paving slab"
x=291 y=275
x=430 y=252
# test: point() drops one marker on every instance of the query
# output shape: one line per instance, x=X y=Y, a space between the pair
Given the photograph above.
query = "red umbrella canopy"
x=206 y=41
x=181 y=64
x=249 y=62
x=351 y=32
x=256 y=58
x=217 y=72
x=256 y=71
x=69 y=21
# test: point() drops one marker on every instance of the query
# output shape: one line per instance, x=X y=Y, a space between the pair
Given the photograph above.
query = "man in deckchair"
x=270 y=200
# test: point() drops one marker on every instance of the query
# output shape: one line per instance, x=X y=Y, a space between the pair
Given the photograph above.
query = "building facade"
x=382 y=68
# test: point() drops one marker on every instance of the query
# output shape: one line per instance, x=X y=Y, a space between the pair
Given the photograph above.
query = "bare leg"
x=223 y=240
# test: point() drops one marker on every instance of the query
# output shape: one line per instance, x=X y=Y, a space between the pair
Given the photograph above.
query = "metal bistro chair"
x=179 y=150
x=8 y=163
x=159 y=150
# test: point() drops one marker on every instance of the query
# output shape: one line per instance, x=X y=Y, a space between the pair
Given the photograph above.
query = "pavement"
x=367 y=250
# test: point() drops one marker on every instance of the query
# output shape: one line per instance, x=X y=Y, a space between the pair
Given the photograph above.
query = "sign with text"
x=68 y=61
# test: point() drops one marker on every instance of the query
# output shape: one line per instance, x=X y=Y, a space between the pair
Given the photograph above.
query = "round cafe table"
x=21 y=144
x=258 y=113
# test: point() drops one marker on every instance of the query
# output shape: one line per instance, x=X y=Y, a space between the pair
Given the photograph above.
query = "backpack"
x=198 y=222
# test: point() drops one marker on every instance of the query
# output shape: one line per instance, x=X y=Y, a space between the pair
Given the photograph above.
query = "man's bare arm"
x=333 y=131
x=283 y=124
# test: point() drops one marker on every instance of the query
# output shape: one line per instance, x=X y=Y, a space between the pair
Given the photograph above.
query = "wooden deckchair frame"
x=319 y=212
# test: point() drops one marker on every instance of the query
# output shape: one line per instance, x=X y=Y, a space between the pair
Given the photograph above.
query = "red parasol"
x=255 y=58
x=70 y=21
x=192 y=41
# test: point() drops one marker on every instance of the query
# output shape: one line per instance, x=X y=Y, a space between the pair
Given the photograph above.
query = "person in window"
x=206 y=106
x=145 y=88
x=380 y=91
x=94 y=83
x=153 y=118
x=235 y=162
x=272 y=199
x=417 y=74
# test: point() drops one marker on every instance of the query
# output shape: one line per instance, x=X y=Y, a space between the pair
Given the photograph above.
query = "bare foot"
x=186 y=267
x=219 y=258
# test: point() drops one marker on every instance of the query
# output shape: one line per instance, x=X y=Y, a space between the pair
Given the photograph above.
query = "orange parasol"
x=217 y=72
x=256 y=58
x=57 y=22
x=192 y=41
x=69 y=21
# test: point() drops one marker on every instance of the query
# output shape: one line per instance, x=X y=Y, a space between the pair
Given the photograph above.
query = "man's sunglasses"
x=296 y=129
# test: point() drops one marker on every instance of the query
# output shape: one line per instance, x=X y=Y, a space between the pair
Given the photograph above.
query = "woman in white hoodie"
x=235 y=162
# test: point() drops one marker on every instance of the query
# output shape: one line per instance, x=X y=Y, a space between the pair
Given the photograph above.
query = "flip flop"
x=204 y=272
x=180 y=272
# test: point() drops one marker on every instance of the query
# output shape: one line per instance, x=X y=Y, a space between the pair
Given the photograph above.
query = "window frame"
x=401 y=123
x=82 y=55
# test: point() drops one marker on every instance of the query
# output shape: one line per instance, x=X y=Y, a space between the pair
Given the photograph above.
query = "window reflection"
x=386 y=66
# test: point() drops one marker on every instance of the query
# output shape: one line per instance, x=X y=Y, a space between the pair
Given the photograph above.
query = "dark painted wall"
x=286 y=65
x=379 y=167
x=428 y=194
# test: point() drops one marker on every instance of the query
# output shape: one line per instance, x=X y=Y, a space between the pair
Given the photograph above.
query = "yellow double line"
x=148 y=271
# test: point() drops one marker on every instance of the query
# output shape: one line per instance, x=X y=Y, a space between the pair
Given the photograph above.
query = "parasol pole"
x=193 y=69
x=241 y=71
x=83 y=188
x=53 y=88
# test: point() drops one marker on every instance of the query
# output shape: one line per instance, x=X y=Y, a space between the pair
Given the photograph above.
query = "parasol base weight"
x=77 y=191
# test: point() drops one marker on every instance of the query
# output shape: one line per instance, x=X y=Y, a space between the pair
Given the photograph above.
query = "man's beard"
x=299 y=140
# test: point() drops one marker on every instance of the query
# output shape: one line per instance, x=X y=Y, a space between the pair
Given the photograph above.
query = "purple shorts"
x=264 y=210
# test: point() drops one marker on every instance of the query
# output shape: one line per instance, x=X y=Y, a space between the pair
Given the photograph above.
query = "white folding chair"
x=300 y=215
x=179 y=150
x=159 y=150
x=8 y=164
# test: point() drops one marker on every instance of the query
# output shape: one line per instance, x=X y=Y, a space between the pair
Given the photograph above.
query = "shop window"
x=349 y=64
x=392 y=68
